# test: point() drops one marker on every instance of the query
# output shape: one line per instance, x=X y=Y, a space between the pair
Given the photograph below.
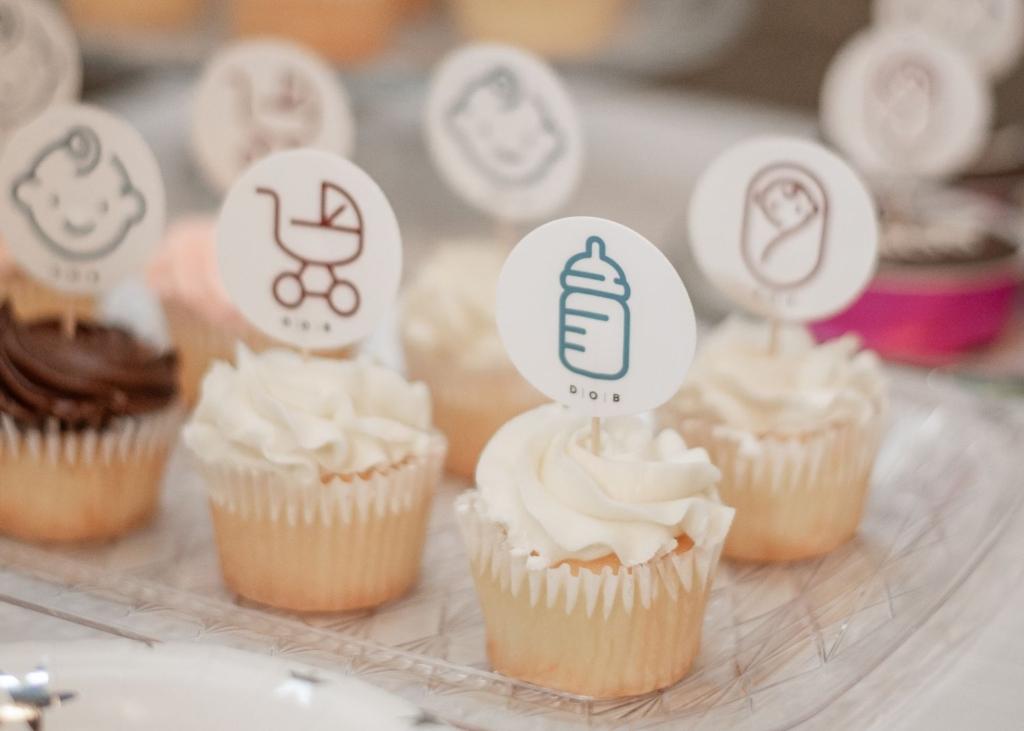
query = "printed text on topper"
x=40 y=64
x=258 y=97
x=991 y=32
x=902 y=103
x=309 y=249
x=82 y=199
x=785 y=228
x=503 y=131
x=595 y=317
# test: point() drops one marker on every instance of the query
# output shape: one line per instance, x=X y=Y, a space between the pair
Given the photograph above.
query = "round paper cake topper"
x=785 y=228
x=263 y=96
x=309 y=249
x=595 y=317
x=991 y=32
x=901 y=103
x=503 y=131
x=81 y=199
x=40 y=64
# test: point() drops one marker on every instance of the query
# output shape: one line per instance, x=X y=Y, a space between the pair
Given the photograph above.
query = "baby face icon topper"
x=903 y=104
x=785 y=228
x=259 y=97
x=309 y=249
x=503 y=131
x=40 y=64
x=81 y=199
x=595 y=317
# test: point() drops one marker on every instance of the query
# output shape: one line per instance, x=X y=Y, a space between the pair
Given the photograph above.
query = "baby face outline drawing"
x=508 y=135
x=30 y=67
x=320 y=246
x=280 y=111
x=901 y=105
x=78 y=199
x=785 y=223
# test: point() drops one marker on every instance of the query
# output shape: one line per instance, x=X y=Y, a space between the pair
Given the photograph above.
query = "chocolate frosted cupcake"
x=87 y=422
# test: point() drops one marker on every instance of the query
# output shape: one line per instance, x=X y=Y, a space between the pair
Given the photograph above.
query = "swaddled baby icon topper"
x=40 y=64
x=81 y=199
x=785 y=228
x=595 y=317
x=503 y=131
x=309 y=249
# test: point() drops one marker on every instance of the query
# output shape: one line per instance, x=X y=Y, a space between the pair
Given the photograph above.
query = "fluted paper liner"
x=469 y=406
x=598 y=629
x=354 y=541
x=796 y=496
x=83 y=485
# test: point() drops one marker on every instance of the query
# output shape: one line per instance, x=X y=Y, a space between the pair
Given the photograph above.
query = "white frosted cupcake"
x=795 y=434
x=593 y=569
x=320 y=475
x=451 y=343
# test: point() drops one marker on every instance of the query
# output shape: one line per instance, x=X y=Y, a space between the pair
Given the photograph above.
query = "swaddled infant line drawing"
x=785 y=222
x=79 y=198
x=901 y=108
x=30 y=68
x=504 y=132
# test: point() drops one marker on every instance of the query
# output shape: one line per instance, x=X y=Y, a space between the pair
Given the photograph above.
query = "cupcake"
x=593 y=570
x=794 y=431
x=320 y=475
x=576 y=28
x=132 y=15
x=451 y=343
x=88 y=421
x=340 y=30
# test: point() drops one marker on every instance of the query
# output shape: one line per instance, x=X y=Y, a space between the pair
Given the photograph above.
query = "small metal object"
x=26 y=698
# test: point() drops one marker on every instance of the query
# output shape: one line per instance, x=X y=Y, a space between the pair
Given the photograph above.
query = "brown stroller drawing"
x=320 y=247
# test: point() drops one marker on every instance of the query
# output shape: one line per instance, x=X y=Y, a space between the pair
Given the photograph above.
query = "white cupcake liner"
x=630 y=586
x=254 y=494
x=124 y=439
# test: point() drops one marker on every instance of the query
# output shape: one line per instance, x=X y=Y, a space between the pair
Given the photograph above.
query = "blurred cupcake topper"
x=81 y=199
x=503 y=131
x=259 y=97
x=40 y=64
x=990 y=32
x=785 y=228
x=905 y=105
x=595 y=317
x=27 y=698
x=309 y=249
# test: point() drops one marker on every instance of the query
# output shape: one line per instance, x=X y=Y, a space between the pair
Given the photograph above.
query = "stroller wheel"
x=288 y=290
x=343 y=298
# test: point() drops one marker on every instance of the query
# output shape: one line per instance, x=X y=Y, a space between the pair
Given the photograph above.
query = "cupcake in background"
x=795 y=433
x=88 y=421
x=451 y=343
x=320 y=475
x=345 y=31
x=575 y=28
x=132 y=15
x=593 y=570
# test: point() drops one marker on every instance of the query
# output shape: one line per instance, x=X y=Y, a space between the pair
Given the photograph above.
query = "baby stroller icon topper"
x=309 y=248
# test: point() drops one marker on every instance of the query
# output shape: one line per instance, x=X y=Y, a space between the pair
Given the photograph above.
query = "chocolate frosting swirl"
x=82 y=381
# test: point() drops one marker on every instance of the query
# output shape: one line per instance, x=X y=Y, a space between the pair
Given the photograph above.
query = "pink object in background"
x=930 y=315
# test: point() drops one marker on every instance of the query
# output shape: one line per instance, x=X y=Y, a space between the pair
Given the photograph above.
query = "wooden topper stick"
x=595 y=434
x=68 y=321
x=774 y=333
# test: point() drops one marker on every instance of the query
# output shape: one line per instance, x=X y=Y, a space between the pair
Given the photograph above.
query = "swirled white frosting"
x=736 y=381
x=307 y=418
x=449 y=307
x=558 y=500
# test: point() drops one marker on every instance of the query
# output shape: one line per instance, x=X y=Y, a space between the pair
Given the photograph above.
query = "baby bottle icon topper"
x=309 y=249
x=901 y=103
x=503 y=131
x=81 y=199
x=595 y=317
x=785 y=228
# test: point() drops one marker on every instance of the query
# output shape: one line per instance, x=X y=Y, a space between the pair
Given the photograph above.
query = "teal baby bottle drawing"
x=593 y=331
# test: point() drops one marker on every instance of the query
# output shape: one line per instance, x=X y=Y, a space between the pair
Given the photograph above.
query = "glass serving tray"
x=780 y=643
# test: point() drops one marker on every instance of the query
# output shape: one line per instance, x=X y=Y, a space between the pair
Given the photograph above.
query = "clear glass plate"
x=780 y=643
